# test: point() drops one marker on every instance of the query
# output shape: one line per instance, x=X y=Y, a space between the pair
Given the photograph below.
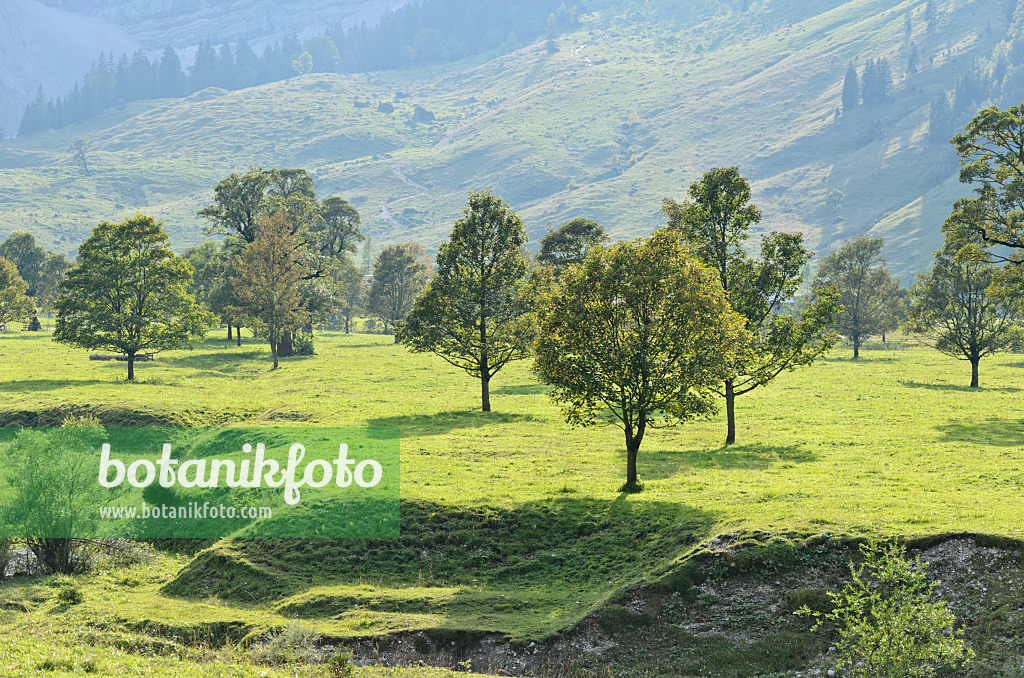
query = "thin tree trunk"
x=346 y=325
x=238 y=333
x=229 y=332
x=730 y=412
x=273 y=352
x=633 y=441
x=485 y=369
x=131 y=367
x=974 y=374
x=856 y=346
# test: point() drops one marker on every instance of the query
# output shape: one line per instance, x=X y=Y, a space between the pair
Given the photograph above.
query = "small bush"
x=339 y=665
x=815 y=600
x=295 y=643
x=70 y=594
x=304 y=344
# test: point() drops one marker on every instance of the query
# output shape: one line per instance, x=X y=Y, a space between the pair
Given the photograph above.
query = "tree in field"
x=715 y=221
x=569 y=243
x=866 y=289
x=266 y=284
x=51 y=274
x=851 y=89
x=20 y=248
x=14 y=305
x=129 y=293
x=966 y=305
x=399 y=273
x=891 y=624
x=474 y=312
x=351 y=291
x=79 y=149
x=637 y=336
x=991 y=158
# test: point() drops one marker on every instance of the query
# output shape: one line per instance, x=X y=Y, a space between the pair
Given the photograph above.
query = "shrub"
x=70 y=594
x=304 y=344
x=294 y=643
x=890 y=625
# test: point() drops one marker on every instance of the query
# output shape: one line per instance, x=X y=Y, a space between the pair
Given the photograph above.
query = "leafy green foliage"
x=569 y=243
x=990 y=157
x=636 y=336
x=474 y=312
x=969 y=306
x=890 y=625
x=267 y=283
x=866 y=290
x=716 y=222
x=129 y=293
x=20 y=248
x=14 y=305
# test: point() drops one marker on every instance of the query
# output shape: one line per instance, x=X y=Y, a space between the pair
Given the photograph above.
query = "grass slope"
x=551 y=133
x=512 y=521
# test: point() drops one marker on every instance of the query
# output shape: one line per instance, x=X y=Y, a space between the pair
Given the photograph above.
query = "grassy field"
x=552 y=133
x=512 y=521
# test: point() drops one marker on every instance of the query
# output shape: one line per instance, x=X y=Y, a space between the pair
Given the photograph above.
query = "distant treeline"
x=427 y=32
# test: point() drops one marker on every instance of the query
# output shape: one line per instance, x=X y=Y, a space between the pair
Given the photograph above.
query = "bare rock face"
x=48 y=46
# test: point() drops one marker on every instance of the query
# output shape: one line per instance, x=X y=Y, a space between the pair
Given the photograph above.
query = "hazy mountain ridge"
x=184 y=23
x=630 y=110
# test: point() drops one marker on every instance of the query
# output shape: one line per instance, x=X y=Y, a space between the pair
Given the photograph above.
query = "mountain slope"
x=47 y=46
x=630 y=110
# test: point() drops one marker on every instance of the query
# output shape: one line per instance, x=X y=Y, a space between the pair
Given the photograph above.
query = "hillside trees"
x=851 y=89
x=129 y=293
x=866 y=289
x=715 y=221
x=969 y=306
x=399 y=273
x=352 y=292
x=636 y=336
x=474 y=313
x=14 y=304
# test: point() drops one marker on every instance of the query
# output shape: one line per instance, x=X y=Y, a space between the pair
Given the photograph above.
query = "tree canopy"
x=991 y=151
x=14 y=304
x=474 y=312
x=399 y=273
x=569 y=243
x=715 y=221
x=129 y=293
x=636 y=336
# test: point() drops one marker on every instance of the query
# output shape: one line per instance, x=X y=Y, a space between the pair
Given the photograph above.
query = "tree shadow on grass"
x=992 y=431
x=522 y=389
x=445 y=422
x=578 y=542
x=956 y=387
x=215 y=360
x=32 y=385
x=662 y=464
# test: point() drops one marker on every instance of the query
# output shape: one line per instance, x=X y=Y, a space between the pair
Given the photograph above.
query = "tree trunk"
x=856 y=346
x=396 y=338
x=285 y=347
x=229 y=332
x=131 y=366
x=273 y=352
x=974 y=374
x=632 y=449
x=238 y=333
x=730 y=412
x=346 y=325
x=485 y=369
x=485 y=392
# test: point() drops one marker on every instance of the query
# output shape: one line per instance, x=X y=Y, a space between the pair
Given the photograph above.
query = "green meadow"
x=512 y=523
